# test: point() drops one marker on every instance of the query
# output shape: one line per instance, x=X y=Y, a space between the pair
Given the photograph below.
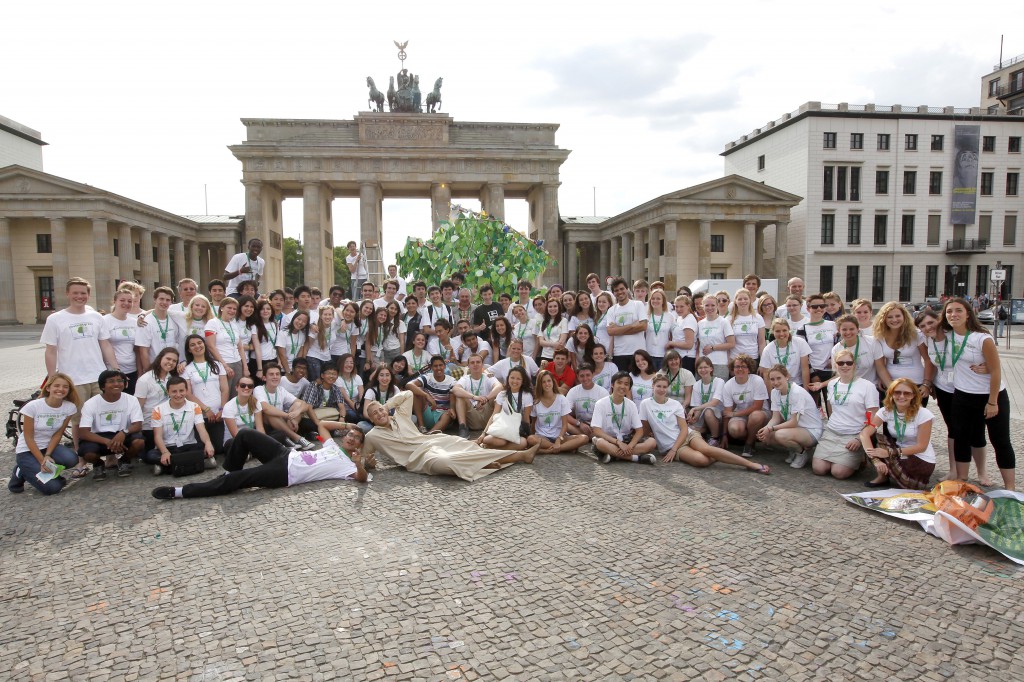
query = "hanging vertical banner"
x=965 y=174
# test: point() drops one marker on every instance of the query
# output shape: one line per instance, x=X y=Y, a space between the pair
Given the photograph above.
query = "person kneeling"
x=176 y=422
x=618 y=431
x=111 y=427
x=281 y=466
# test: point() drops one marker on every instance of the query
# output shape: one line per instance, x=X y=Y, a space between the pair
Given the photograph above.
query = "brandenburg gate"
x=379 y=155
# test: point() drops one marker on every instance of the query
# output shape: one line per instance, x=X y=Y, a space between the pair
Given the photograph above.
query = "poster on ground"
x=957 y=512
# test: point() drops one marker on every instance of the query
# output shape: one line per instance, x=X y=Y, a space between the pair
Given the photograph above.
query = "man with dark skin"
x=111 y=427
x=245 y=266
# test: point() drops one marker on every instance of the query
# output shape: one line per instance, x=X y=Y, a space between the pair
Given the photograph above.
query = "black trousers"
x=272 y=473
x=968 y=429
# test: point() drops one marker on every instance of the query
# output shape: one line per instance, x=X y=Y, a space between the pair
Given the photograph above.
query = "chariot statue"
x=404 y=95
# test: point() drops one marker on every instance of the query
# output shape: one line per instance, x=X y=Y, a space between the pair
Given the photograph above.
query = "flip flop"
x=765 y=470
x=79 y=472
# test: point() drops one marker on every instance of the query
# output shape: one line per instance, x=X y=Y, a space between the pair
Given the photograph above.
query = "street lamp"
x=953 y=270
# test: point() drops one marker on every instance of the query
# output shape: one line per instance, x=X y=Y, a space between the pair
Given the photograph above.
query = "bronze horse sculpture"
x=376 y=96
x=434 y=98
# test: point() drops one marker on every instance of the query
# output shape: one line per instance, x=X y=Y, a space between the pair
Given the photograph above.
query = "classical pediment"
x=731 y=188
x=18 y=180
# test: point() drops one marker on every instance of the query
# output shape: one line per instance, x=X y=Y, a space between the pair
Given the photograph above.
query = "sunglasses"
x=723 y=300
x=844 y=363
x=908 y=394
x=816 y=306
x=240 y=385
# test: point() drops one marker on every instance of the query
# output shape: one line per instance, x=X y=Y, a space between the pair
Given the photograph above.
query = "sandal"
x=79 y=471
x=764 y=470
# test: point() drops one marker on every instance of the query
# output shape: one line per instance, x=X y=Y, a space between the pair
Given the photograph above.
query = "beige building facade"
x=52 y=229
x=714 y=230
x=1002 y=91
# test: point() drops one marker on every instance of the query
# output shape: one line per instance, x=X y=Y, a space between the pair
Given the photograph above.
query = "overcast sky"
x=143 y=99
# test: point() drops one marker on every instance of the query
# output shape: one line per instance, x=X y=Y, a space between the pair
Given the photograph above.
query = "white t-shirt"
x=463 y=352
x=103 y=417
x=46 y=421
x=282 y=399
x=584 y=400
x=297 y=388
x=677 y=384
x=236 y=262
x=663 y=419
x=501 y=368
x=293 y=343
x=642 y=388
x=341 y=340
x=790 y=357
x=821 y=338
x=549 y=417
x=909 y=363
x=416 y=363
x=392 y=341
x=850 y=403
x=679 y=327
x=77 y=340
x=268 y=346
x=157 y=335
x=360 y=272
x=240 y=414
x=601 y=335
x=714 y=333
x=624 y=315
x=122 y=339
x=797 y=325
x=910 y=427
x=741 y=396
x=964 y=378
x=481 y=386
x=502 y=400
x=747 y=329
x=618 y=421
x=151 y=391
x=798 y=401
x=603 y=376
x=659 y=332
x=179 y=425
x=550 y=333
x=315 y=350
x=865 y=352
x=704 y=393
x=205 y=383
x=527 y=333
x=329 y=462
x=226 y=337
x=350 y=387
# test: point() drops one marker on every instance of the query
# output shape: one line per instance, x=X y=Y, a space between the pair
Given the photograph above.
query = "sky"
x=143 y=99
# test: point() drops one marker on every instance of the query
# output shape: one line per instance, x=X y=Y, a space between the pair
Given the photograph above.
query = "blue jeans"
x=26 y=466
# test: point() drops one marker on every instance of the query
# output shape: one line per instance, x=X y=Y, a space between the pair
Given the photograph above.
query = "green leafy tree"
x=294 y=267
x=488 y=251
x=342 y=277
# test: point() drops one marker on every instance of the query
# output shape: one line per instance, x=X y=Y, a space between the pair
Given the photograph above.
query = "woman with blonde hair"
x=834 y=308
x=684 y=333
x=659 y=326
x=722 y=299
x=904 y=453
x=43 y=423
x=865 y=314
x=767 y=308
x=839 y=452
x=746 y=326
x=790 y=351
x=199 y=312
x=904 y=349
x=796 y=421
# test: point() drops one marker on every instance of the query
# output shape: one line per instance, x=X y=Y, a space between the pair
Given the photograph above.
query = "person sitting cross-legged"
x=551 y=417
x=281 y=467
x=176 y=422
x=474 y=397
x=433 y=397
x=618 y=431
x=582 y=398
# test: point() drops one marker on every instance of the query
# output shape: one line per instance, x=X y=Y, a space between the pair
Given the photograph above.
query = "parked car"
x=987 y=316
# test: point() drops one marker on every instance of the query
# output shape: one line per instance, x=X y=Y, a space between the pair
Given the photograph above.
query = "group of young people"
x=625 y=374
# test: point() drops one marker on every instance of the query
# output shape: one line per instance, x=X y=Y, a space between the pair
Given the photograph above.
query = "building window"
x=934 y=227
x=852 y=282
x=911 y=143
x=937 y=143
x=1012 y=184
x=910 y=182
x=117 y=249
x=841 y=183
x=935 y=182
x=906 y=277
x=878 y=283
x=853 y=232
x=44 y=243
x=881 y=228
x=854 y=183
x=46 y=293
x=826 y=189
x=1010 y=230
x=993 y=87
x=981 y=280
x=931 y=281
x=883 y=142
x=987 y=180
x=988 y=143
x=828 y=228
x=717 y=243
x=156 y=255
x=661 y=247
x=856 y=140
x=830 y=141
x=1013 y=145
x=138 y=251
x=760 y=162
x=825 y=277
x=882 y=182
x=1007 y=286
x=985 y=228
x=907 y=236
x=647 y=249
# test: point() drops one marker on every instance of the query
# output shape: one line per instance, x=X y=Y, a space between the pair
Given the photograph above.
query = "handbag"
x=507 y=425
x=188 y=463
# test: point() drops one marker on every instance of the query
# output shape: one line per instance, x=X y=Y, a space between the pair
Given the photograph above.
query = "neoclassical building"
x=52 y=228
x=714 y=230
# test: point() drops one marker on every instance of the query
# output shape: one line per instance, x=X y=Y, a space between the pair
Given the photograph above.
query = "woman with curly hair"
x=904 y=453
x=904 y=351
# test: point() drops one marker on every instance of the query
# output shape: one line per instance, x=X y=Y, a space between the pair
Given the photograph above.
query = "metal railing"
x=971 y=245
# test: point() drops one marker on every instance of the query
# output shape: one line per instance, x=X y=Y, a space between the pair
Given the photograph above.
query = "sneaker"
x=605 y=458
x=110 y=462
x=792 y=456
x=98 y=472
x=304 y=444
x=714 y=442
x=289 y=443
x=463 y=431
x=163 y=493
x=648 y=459
x=423 y=429
x=124 y=469
x=748 y=451
x=800 y=460
x=17 y=483
x=210 y=463
x=158 y=470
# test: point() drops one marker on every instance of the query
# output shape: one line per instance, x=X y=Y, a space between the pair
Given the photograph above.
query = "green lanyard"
x=600 y=320
x=479 y=386
x=704 y=397
x=417 y=363
x=202 y=375
x=784 y=407
x=351 y=387
x=272 y=398
x=784 y=361
x=856 y=353
x=940 y=358
x=164 y=329
x=177 y=426
x=163 y=384
x=245 y=421
x=657 y=325
x=522 y=329
x=294 y=344
x=618 y=419
x=547 y=332
x=835 y=393
x=958 y=353
x=273 y=336
x=899 y=426
x=673 y=382
x=229 y=328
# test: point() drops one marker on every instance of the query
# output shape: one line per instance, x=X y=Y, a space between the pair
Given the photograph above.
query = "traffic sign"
x=999 y=275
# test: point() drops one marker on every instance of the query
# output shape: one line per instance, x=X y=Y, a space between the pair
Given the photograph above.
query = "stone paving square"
x=564 y=570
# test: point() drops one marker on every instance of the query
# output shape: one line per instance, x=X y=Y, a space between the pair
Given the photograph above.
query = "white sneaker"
x=305 y=444
x=800 y=459
x=792 y=456
x=158 y=470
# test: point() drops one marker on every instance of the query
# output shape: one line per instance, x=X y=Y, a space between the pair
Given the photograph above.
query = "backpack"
x=1002 y=313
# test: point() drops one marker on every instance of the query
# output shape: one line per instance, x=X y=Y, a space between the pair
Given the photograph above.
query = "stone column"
x=163 y=259
x=492 y=200
x=627 y=260
x=125 y=253
x=781 y=252
x=8 y=314
x=704 y=253
x=572 y=265
x=604 y=259
x=103 y=287
x=253 y=211
x=150 y=274
x=759 y=251
x=749 y=248
x=193 y=266
x=550 y=231
x=312 y=239
x=179 y=262
x=654 y=257
x=59 y=243
x=672 y=269
x=440 y=203
x=614 y=259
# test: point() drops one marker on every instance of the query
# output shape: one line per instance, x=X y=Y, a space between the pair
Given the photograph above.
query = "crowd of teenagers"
x=633 y=373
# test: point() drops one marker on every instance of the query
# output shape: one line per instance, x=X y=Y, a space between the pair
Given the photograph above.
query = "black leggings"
x=273 y=473
x=969 y=427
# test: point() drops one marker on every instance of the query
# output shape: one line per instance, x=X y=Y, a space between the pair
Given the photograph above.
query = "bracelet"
x=992 y=404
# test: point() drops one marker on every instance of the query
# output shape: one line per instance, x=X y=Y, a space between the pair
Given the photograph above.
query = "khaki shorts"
x=476 y=418
x=85 y=391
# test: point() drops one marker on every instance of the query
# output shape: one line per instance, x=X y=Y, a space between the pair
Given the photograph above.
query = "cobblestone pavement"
x=563 y=570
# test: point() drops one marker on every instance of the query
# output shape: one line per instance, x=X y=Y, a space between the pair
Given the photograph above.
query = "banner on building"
x=957 y=512
x=965 y=174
